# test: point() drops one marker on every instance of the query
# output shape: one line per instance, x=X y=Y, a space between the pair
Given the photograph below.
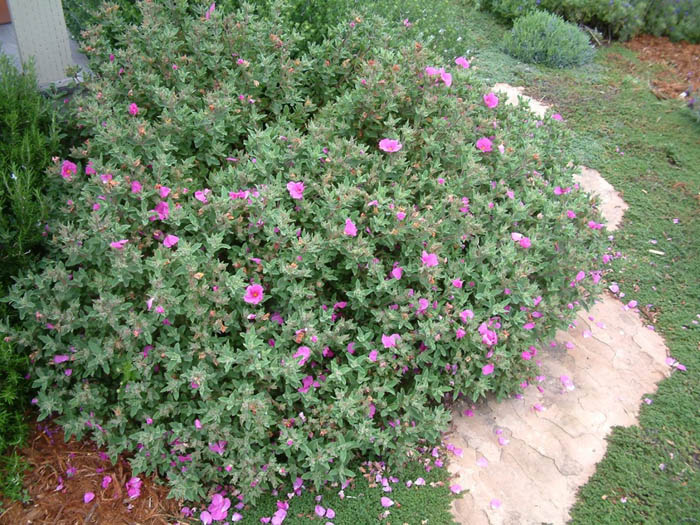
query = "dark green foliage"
x=13 y=426
x=679 y=19
x=543 y=38
x=30 y=136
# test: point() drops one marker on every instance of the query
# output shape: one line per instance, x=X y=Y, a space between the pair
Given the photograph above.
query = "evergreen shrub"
x=544 y=38
x=272 y=262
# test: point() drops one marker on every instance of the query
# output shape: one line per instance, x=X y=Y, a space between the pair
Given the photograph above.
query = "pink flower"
x=446 y=78
x=571 y=214
x=429 y=259
x=461 y=61
x=164 y=191
x=386 y=502
x=457 y=283
x=456 y=488
x=62 y=358
x=118 y=245
x=296 y=190
x=373 y=355
x=400 y=215
x=466 y=314
x=210 y=11
x=304 y=352
x=350 y=228
x=218 y=448
x=170 y=241
x=201 y=196
x=484 y=144
x=390 y=145
x=528 y=326
x=372 y=410
x=320 y=511
x=580 y=276
x=397 y=272
x=557 y=116
x=389 y=341
x=68 y=169
x=253 y=294
x=460 y=333
x=218 y=508
x=133 y=109
x=205 y=517
x=487 y=369
x=136 y=187
x=525 y=242
x=133 y=487
x=162 y=210
x=106 y=481
x=88 y=497
x=431 y=71
x=197 y=424
x=491 y=100
x=89 y=169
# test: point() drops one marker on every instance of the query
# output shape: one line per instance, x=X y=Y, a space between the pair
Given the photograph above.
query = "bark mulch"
x=681 y=61
x=61 y=473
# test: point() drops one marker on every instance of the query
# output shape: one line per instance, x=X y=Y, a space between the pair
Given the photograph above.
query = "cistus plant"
x=544 y=38
x=269 y=264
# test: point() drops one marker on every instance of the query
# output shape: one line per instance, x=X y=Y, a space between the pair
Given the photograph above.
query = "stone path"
x=524 y=459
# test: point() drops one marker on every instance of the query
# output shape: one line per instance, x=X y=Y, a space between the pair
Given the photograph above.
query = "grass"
x=361 y=504
x=649 y=150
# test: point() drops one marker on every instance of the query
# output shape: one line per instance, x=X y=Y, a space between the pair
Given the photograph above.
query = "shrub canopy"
x=270 y=262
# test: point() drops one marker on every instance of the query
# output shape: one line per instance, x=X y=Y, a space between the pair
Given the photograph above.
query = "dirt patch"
x=681 y=61
x=62 y=473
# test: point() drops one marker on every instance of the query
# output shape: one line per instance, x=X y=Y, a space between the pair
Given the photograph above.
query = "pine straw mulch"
x=681 y=61
x=49 y=457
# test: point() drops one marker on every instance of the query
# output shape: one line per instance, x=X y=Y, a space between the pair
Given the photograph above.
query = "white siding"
x=41 y=33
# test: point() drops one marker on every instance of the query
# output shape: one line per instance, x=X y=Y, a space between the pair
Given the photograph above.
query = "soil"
x=681 y=62
x=57 y=496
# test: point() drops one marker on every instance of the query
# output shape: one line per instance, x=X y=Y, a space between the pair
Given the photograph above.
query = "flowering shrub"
x=623 y=19
x=544 y=38
x=679 y=19
x=270 y=263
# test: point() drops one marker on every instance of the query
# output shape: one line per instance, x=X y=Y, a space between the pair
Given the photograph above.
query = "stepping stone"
x=612 y=205
x=524 y=459
x=551 y=440
x=512 y=93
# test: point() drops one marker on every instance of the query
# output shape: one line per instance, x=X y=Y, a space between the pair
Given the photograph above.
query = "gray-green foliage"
x=544 y=38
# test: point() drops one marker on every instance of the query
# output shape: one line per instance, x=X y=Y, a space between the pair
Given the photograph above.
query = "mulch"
x=681 y=62
x=57 y=494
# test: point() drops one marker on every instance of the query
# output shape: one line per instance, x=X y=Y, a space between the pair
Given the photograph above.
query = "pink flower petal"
x=386 y=502
x=495 y=503
x=88 y=497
